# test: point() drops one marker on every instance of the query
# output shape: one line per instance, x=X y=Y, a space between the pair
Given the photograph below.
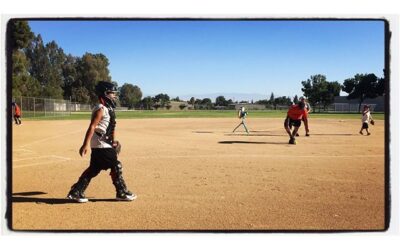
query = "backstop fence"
x=39 y=107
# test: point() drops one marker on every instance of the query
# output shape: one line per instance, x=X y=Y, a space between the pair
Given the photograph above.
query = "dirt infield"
x=194 y=174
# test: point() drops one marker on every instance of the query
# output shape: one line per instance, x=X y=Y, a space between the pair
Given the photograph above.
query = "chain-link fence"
x=39 y=107
x=349 y=107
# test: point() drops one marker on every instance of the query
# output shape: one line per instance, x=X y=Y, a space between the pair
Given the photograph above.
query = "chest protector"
x=111 y=125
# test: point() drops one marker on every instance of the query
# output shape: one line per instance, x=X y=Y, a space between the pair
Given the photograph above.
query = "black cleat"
x=126 y=196
x=77 y=197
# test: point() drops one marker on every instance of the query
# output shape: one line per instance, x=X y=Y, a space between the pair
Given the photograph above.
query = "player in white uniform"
x=100 y=138
x=365 y=119
x=242 y=115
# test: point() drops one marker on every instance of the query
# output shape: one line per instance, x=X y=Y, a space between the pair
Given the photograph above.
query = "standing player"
x=365 y=119
x=242 y=115
x=294 y=117
x=100 y=137
x=17 y=113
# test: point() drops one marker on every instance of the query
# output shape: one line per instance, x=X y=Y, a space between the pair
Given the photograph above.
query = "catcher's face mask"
x=112 y=95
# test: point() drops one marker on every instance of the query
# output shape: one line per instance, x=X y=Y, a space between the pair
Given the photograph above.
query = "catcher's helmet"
x=102 y=88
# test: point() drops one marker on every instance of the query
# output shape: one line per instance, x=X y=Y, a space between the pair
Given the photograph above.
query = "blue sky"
x=193 y=58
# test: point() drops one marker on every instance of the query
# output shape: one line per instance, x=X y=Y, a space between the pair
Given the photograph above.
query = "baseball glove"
x=117 y=146
x=372 y=122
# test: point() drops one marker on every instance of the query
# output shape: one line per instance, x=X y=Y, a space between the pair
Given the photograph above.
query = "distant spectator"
x=16 y=113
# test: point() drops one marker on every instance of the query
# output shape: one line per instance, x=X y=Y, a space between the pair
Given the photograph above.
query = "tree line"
x=45 y=70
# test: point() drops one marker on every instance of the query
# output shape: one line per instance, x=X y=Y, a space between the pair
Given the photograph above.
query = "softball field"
x=195 y=174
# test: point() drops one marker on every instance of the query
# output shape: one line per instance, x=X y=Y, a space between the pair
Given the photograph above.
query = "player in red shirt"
x=308 y=109
x=17 y=113
x=295 y=115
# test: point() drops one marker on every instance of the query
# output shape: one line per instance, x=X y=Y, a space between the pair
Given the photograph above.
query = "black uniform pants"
x=101 y=159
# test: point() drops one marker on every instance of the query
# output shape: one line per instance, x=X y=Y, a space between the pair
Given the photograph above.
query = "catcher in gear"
x=100 y=137
x=365 y=119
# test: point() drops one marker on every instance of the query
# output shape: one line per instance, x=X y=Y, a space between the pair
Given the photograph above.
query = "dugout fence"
x=42 y=107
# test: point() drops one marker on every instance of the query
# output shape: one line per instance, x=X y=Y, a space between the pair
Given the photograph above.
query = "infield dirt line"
x=51 y=137
x=59 y=159
x=24 y=149
x=43 y=156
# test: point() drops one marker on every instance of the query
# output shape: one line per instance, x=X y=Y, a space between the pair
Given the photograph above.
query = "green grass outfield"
x=136 y=114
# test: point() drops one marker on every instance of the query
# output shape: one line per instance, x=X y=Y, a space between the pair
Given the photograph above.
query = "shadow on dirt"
x=262 y=133
x=255 y=134
x=249 y=142
x=29 y=193
x=335 y=134
x=52 y=201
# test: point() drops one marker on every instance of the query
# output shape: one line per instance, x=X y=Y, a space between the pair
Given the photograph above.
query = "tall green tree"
x=162 y=100
x=272 y=98
x=147 y=102
x=197 y=103
x=70 y=75
x=21 y=34
x=192 y=100
x=221 y=101
x=328 y=92
x=363 y=86
x=206 y=103
x=380 y=87
x=23 y=84
x=319 y=91
x=39 y=65
x=91 y=68
x=130 y=95
x=46 y=67
x=55 y=82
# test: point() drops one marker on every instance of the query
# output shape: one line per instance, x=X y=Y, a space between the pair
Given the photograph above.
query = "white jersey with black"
x=98 y=141
x=366 y=117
